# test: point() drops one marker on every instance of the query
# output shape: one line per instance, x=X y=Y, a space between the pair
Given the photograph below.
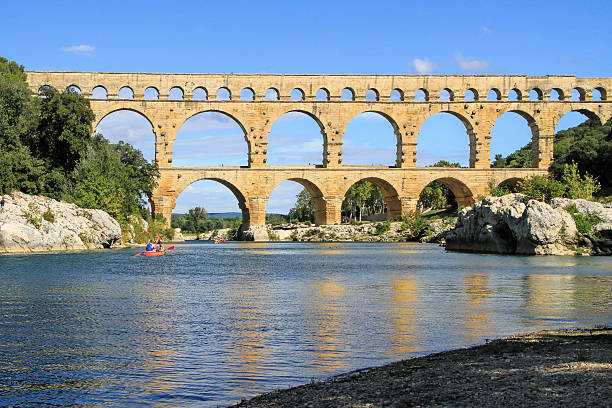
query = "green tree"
x=12 y=71
x=304 y=207
x=362 y=199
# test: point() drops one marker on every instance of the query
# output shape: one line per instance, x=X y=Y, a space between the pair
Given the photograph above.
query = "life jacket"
x=149 y=246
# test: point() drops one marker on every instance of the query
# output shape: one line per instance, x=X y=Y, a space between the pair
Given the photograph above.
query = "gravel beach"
x=547 y=368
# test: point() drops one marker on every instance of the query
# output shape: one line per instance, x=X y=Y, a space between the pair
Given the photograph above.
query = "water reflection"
x=477 y=319
x=404 y=335
x=327 y=303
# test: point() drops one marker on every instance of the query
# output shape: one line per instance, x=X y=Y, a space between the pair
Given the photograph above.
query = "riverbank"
x=560 y=368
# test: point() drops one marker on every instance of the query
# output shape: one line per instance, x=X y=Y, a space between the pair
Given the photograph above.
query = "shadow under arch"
x=463 y=194
x=315 y=192
x=396 y=131
x=468 y=128
x=311 y=116
x=389 y=194
x=226 y=114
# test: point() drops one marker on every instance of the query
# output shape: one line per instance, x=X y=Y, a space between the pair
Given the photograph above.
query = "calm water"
x=211 y=324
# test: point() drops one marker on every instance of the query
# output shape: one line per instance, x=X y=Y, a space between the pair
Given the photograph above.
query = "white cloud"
x=423 y=66
x=79 y=49
x=471 y=65
x=486 y=30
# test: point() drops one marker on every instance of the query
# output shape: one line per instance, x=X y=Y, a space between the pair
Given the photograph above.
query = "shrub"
x=584 y=223
x=48 y=216
x=383 y=227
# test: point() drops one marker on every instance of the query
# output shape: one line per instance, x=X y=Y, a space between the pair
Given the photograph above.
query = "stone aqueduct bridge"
x=327 y=183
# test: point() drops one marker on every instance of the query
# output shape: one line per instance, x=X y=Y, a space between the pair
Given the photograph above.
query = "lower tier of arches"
x=400 y=188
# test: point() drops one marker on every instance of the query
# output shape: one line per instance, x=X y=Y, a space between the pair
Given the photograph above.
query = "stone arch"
x=128 y=125
x=603 y=95
x=272 y=94
x=559 y=94
x=322 y=94
x=235 y=119
x=347 y=94
x=447 y=95
x=176 y=93
x=97 y=120
x=125 y=92
x=247 y=94
x=396 y=95
x=372 y=95
x=463 y=194
x=515 y=94
x=536 y=94
x=99 y=92
x=297 y=95
x=581 y=93
x=535 y=133
x=494 y=94
x=468 y=128
x=199 y=94
x=421 y=91
x=510 y=181
x=389 y=192
x=151 y=93
x=315 y=192
x=224 y=94
x=396 y=131
x=73 y=88
x=317 y=120
x=586 y=112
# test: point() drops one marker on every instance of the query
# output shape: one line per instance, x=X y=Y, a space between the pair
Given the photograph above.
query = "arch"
x=556 y=94
x=125 y=92
x=247 y=94
x=536 y=94
x=389 y=195
x=463 y=194
x=512 y=131
x=603 y=95
x=347 y=94
x=200 y=94
x=176 y=93
x=470 y=95
x=494 y=94
x=192 y=189
x=322 y=94
x=361 y=129
x=73 y=88
x=45 y=88
x=224 y=94
x=287 y=139
x=421 y=95
x=396 y=95
x=151 y=93
x=506 y=186
x=515 y=94
x=296 y=95
x=578 y=94
x=447 y=95
x=272 y=94
x=440 y=125
x=130 y=126
x=575 y=117
x=288 y=188
x=211 y=138
x=99 y=92
x=372 y=95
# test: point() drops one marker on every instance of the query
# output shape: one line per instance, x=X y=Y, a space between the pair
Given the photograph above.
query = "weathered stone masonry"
x=401 y=184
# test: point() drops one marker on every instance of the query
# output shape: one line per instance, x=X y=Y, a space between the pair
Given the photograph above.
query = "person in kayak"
x=159 y=245
x=150 y=246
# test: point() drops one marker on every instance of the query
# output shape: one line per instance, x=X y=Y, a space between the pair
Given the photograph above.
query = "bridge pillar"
x=257 y=139
x=480 y=144
x=257 y=210
x=163 y=205
x=406 y=133
x=408 y=204
x=543 y=144
x=328 y=210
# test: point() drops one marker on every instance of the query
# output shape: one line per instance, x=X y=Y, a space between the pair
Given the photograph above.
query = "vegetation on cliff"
x=46 y=148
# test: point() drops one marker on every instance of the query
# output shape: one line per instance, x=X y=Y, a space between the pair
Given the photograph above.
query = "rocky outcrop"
x=39 y=224
x=511 y=224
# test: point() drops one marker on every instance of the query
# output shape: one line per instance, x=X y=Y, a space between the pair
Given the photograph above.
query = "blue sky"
x=519 y=37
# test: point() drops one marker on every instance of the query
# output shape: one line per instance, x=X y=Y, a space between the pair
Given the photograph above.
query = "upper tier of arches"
x=330 y=87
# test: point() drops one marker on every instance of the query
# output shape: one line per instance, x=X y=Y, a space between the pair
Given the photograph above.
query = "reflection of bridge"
x=319 y=97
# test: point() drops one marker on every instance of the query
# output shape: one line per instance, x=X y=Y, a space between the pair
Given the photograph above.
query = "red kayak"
x=155 y=253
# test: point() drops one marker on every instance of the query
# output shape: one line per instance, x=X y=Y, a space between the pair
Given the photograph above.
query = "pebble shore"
x=571 y=368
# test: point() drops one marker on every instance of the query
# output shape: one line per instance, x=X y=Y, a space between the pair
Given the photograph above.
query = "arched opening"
x=556 y=94
x=322 y=95
x=599 y=94
x=578 y=94
x=573 y=119
x=421 y=95
x=99 y=92
x=296 y=95
x=271 y=94
x=176 y=94
x=444 y=136
x=130 y=127
x=494 y=95
x=295 y=200
x=515 y=95
x=445 y=194
x=224 y=94
x=295 y=138
x=470 y=95
x=212 y=207
x=536 y=94
x=151 y=93
x=511 y=140
x=74 y=89
x=45 y=88
x=210 y=139
x=247 y=94
x=200 y=94
x=396 y=95
x=370 y=199
x=370 y=139
x=371 y=95
x=126 y=93
x=347 y=94
x=507 y=186
x=446 y=95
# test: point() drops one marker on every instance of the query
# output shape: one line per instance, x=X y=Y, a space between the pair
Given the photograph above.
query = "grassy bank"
x=548 y=368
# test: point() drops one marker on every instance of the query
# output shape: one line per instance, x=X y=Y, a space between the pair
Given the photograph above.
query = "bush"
x=383 y=227
x=48 y=216
x=584 y=223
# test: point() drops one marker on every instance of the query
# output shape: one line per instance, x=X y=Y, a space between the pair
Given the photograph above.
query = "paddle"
x=142 y=253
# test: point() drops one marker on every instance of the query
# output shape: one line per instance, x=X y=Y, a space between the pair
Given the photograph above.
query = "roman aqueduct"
x=319 y=96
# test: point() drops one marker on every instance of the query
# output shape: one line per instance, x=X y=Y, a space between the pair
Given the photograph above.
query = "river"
x=208 y=324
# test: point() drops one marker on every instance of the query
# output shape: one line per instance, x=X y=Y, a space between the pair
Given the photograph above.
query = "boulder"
x=39 y=224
